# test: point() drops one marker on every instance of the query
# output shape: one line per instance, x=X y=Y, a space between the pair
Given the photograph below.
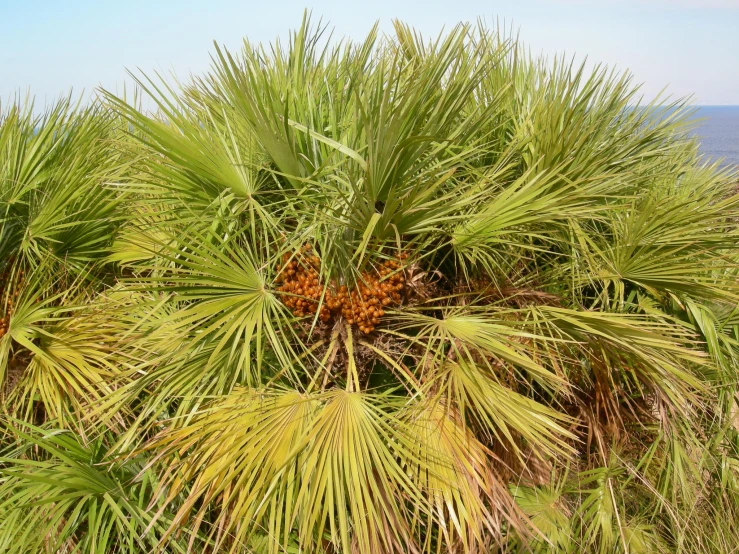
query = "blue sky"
x=691 y=47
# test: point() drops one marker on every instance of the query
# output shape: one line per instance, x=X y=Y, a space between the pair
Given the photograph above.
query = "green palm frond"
x=75 y=498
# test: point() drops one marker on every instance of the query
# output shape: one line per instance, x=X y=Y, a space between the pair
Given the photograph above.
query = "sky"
x=49 y=48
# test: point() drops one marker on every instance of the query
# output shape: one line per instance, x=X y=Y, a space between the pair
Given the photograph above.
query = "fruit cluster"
x=299 y=275
x=4 y=323
x=362 y=306
x=6 y=301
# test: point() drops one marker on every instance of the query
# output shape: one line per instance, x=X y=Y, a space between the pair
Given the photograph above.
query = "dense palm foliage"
x=391 y=296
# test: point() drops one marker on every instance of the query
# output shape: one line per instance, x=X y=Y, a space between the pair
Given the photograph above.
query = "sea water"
x=717 y=129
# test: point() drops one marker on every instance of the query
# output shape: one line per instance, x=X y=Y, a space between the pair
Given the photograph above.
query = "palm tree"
x=57 y=221
x=393 y=296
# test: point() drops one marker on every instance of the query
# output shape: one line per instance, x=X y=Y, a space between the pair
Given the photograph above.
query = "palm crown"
x=390 y=296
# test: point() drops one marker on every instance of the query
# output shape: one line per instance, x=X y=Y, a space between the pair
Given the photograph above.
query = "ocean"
x=718 y=132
